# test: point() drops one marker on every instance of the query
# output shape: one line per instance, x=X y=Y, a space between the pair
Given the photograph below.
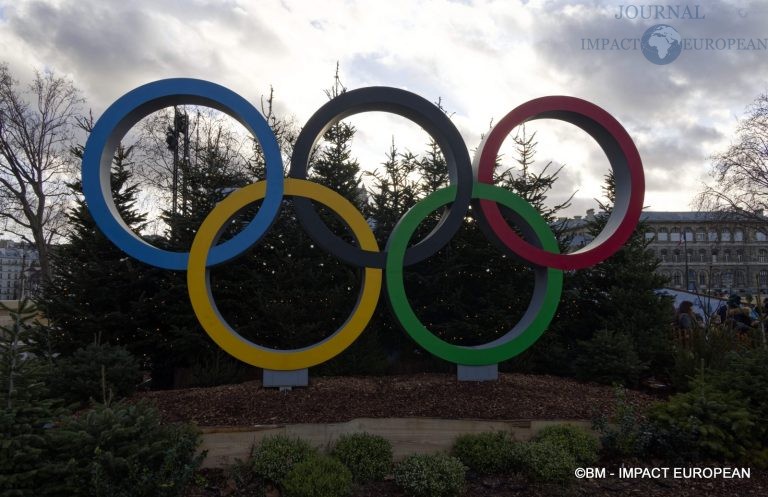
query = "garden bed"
x=339 y=399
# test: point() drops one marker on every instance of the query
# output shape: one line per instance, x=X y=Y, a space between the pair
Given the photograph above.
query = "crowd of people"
x=733 y=314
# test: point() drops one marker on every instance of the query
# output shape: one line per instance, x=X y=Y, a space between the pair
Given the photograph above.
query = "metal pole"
x=175 y=180
x=685 y=247
x=185 y=163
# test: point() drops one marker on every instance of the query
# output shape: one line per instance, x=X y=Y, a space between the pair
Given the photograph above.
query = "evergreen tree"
x=22 y=374
x=333 y=164
x=24 y=407
x=93 y=293
x=392 y=192
x=471 y=292
x=619 y=295
x=180 y=342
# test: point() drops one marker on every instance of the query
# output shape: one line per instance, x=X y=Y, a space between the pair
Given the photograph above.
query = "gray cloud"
x=482 y=57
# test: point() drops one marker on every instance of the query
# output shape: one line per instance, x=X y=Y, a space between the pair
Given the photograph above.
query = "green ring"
x=546 y=297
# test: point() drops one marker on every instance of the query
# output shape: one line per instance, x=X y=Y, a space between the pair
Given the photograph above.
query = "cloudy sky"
x=482 y=58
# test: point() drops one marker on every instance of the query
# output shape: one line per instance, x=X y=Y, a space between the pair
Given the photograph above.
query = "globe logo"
x=661 y=44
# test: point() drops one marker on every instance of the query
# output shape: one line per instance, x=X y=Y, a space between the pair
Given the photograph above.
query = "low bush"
x=432 y=475
x=721 y=424
x=318 y=476
x=489 y=453
x=124 y=451
x=620 y=434
x=581 y=444
x=275 y=456
x=25 y=449
x=368 y=457
x=78 y=378
x=549 y=462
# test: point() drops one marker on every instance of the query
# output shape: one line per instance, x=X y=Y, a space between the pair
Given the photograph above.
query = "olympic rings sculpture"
x=470 y=183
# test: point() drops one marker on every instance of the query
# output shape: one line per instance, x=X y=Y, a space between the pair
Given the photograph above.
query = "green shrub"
x=747 y=374
x=489 y=453
x=549 y=462
x=609 y=357
x=433 y=475
x=78 y=378
x=581 y=444
x=122 y=451
x=620 y=434
x=368 y=457
x=25 y=449
x=318 y=476
x=700 y=348
x=720 y=423
x=275 y=456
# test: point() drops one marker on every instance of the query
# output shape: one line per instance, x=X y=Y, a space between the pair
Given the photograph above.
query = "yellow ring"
x=198 y=281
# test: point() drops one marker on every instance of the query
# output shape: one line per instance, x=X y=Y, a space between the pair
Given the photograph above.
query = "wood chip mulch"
x=339 y=399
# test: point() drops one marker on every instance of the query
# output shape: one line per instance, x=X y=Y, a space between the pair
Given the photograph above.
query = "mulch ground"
x=339 y=399
x=514 y=396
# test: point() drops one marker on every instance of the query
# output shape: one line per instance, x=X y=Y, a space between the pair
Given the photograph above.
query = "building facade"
x=701 y=251
x=19 y=270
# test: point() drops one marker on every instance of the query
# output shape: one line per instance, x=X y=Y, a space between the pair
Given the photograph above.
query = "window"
x=677 y=278
x=762 y=255
x=714 y=256
x=762 y=278
x=663 y=235
x=703 y=278
x=701 y=235
x=726 y=256
x=740 y=279
x=760 y=236
x=712 y=235
x=716 y=279
x=725 y=235
x=675 y=235
x=688 y=234
x=677 y=256
x=739 y=255
x=727 y=278
x=650 y=235
x=702 y=255
x=738 y=236
x=663 y=256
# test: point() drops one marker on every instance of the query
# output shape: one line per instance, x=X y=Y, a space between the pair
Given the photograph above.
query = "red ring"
x=606 y=130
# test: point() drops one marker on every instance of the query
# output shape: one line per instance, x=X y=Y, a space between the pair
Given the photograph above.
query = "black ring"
x=412 y=107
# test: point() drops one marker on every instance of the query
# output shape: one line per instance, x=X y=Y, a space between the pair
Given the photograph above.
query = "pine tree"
x=24 y=407
x=95 y=287
x=392 y=192
x=532 y=186
x=619 y=294
x=472 y=292
x=333 y=165
x=22 y=374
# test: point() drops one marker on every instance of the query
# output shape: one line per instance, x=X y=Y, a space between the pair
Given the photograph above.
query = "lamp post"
x=685 y=249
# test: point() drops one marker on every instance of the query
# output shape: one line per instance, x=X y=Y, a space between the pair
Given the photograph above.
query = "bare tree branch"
x=36 y=131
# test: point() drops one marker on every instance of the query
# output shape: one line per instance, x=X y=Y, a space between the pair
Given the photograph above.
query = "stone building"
x=721 y=253
x=19 y=270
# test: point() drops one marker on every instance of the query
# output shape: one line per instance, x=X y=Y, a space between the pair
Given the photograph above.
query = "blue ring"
x=126 y=112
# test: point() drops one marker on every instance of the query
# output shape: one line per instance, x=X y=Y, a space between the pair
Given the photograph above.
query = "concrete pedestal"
x=285 y=379
x=477 y=373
